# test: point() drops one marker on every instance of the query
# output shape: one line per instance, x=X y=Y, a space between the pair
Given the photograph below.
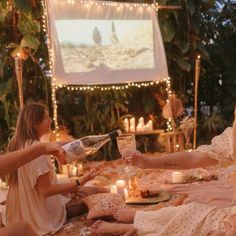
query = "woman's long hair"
x=31 y=115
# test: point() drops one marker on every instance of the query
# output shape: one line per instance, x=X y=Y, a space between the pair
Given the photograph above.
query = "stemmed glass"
x=127 y=146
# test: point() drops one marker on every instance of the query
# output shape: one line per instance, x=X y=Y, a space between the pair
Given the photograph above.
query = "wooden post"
x=197 y=75
x=19 y=70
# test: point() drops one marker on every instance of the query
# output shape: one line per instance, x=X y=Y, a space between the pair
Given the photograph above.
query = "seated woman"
x=12 y=161
x=189 y=219
x=34 y=195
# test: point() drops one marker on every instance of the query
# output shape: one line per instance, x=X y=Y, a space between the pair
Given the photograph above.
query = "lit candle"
x=120 y=183
x=74 y=171
x=141 y=121
x=113 y=188
x=177 y=177
x=126 y=125
x=126 y=193
x=150 y=125
x=64 y=169
x=146 y=127
x=80 y=168
x=132 y=121
x=120 y=186
x=142 y=127
x=139 y=127
x=132 y=128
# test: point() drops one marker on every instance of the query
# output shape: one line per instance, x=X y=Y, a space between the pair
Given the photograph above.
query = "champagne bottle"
x=79 y=149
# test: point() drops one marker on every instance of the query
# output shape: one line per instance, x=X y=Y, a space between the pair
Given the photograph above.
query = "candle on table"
x=177 y=177
x=120 y=183
x=142 y=127
x=177 y=147
x=141 y=121
x=132 y=121
x=132 y=128
x=80 y=168
x=139 y=127
x=113 y=188
x=146 y=127
x=74 y=171
x=64 y=169
x=120 y=186
x=126 y=193
x=150 y=125
x=126 y=125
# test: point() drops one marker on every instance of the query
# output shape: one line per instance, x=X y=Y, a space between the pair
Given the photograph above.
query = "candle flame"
x=18 y=54
x=198 y=57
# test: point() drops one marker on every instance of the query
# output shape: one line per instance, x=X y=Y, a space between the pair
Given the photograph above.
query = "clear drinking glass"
x=127 y=146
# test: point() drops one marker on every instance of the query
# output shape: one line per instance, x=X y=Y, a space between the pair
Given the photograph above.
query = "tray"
x=163 y=196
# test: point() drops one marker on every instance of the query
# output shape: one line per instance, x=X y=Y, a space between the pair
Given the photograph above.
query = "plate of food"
x=149 y=197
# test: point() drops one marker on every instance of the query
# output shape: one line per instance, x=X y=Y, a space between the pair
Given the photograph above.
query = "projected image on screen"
x=87 y=45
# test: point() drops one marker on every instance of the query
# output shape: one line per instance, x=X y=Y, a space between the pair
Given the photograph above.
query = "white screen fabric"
x=96 y=42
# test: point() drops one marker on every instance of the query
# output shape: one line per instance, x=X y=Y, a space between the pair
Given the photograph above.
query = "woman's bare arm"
x=173 y=161
x=13 y=160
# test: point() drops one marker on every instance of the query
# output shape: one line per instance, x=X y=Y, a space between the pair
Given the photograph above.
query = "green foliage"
x=213 y=123
x=20 y=32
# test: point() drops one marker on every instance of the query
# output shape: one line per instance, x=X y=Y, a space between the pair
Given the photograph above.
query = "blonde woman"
x=34 y=195
x=12 y=161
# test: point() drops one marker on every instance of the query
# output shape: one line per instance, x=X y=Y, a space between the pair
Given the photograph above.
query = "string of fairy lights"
x=117 y=5
x=54 y=84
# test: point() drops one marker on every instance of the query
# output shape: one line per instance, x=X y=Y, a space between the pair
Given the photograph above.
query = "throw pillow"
x=103 y=205
x=76 y=206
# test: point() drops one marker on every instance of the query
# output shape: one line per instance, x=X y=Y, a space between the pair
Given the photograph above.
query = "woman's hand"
x=138 y=159
x=54 y=148
x=91 y=174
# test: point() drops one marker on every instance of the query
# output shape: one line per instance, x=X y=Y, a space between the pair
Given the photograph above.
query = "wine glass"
x=127 y=146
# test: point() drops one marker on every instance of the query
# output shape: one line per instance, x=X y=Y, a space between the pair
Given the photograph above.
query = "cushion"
x=76 y=206
x=85 y=191
x=103 y=205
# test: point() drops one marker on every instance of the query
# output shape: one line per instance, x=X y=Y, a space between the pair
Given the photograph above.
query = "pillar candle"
x=74 y=171
x=113 y=188
x=132 y=121
x=139 y=127
x=132 y=128
x=126 y=125
x=120 y=186
x=80 y=168
x=150 y=125
x=65 y=170
x=177 y=177
x=141 y=120
x=126 y=193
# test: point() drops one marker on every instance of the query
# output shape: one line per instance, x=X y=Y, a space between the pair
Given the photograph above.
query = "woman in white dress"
x=193 y=219
x=12 y=161
x=34 y=195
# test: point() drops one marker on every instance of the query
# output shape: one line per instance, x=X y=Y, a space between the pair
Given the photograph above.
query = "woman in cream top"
x=34 y=195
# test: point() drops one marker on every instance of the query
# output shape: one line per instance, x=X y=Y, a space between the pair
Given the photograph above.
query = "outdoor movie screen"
x=111 y=44
x=95 y=42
